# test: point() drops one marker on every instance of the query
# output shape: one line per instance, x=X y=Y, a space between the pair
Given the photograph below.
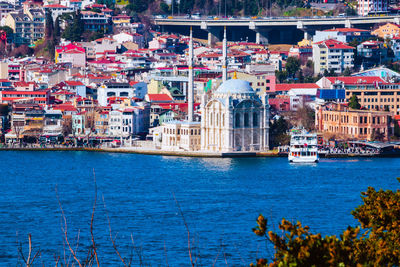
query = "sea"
x=170 y=211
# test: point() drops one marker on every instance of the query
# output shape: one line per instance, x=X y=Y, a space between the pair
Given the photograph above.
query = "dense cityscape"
x=73 y=74
x=229 y=90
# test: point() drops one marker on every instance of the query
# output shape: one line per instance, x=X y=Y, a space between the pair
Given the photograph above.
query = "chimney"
x=224 y=58
x=190 y=89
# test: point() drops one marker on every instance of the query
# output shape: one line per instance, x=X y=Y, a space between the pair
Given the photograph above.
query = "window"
x=255 y=119
x=246 y=119
x=237 y=120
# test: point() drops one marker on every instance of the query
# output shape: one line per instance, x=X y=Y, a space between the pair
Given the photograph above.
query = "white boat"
x=303 y=147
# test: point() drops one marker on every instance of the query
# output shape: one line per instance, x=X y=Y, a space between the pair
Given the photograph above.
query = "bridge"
x=267 y=30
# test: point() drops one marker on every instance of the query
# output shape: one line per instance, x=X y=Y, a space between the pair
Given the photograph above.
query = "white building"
x=123 y=37
x=57 y=10
x=181 y=135
x=113 y=89
x=130 y=121
x=235 y=119
x=367 y=7
x=332 y=55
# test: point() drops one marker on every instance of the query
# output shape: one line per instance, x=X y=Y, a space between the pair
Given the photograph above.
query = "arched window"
x=255 y=119
x=223 y=120
x=216 y=119
x=246 y=119
x=211 y=118
x=237 y=120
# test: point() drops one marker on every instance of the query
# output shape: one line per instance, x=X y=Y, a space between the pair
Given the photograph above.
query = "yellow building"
x=261 y=82
x=154 y=87
x=387 y=30
x=304 y=42
x=28 y=27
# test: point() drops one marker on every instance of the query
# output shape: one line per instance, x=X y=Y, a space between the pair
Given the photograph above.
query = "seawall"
x=191 y=153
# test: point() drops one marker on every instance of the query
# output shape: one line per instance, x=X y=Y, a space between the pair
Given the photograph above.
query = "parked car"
x=160 y=16
x=196 y=15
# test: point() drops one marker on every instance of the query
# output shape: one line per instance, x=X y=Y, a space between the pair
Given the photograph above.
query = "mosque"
x=233 y=119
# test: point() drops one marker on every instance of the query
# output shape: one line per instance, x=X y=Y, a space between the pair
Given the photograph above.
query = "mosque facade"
x=234 y=119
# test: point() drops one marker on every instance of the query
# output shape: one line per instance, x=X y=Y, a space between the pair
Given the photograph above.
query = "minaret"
x=224 y=58
x=190 y=89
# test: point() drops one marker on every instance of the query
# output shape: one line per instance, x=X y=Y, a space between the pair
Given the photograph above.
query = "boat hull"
x=303 y=159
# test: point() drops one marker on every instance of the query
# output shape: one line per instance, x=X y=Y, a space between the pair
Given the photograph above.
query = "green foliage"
x=354 y=103
x=89 y=36
x=278 y=132
x=57 y=29
x=75 y=29
x=396 y=129
x=164 y=7
x=347 y=72
x=281 y=75
x=138 y=6
x=379 y=245
x=292 y=66
x=48 y=32
x=7 y=30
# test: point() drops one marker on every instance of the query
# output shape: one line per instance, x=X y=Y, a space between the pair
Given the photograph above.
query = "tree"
x=378 y=245
x=347 y=72
x=396 y=128
x=306 y=117
x=292 y=66
x=49 y=30
x=354 y=103
x=281 y=75
x=57 y=29
x=21 y=51
x=164 y=7
x=74 y=31
x=278 y=132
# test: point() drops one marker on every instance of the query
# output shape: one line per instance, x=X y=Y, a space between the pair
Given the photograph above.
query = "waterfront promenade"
x=148 y=151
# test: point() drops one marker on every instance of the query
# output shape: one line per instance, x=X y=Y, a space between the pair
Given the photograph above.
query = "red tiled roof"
x=73 y=83
x=289 y=86
x=331 y=43
x=357 y=80
x=346 y=30
x=159 y=97
x=55 y=6
x=69 y=47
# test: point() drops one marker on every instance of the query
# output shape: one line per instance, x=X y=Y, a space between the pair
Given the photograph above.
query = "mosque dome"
x=235 y=86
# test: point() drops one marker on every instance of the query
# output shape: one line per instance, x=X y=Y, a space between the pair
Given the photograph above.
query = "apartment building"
x=347 y=123
x=345 y=35
x=332 y=55
x=367 y=7
x=28 y=26
x=96 y=21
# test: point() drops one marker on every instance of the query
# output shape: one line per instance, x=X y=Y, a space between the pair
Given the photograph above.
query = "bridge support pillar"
x=308 y=34
x=261 y=33
x=211 y=39
x=213 y=33
x=347 y=23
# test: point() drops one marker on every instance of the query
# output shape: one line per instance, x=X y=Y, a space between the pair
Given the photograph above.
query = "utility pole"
x=225 y=8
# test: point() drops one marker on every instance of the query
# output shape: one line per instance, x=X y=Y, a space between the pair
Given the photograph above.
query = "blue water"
x=220 y=200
